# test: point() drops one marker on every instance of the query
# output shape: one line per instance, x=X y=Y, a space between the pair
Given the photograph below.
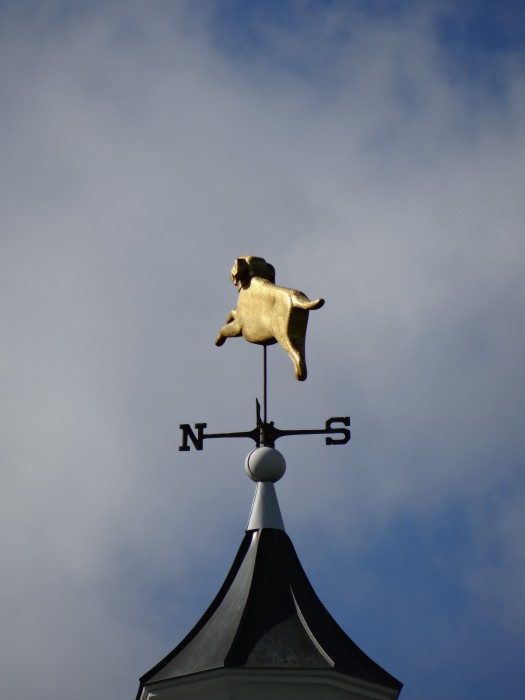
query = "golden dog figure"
x=268 y=314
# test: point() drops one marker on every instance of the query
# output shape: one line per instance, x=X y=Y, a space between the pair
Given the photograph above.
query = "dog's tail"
x=302 y=302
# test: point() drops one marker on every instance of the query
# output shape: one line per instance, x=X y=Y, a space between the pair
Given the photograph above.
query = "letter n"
x=187 y=432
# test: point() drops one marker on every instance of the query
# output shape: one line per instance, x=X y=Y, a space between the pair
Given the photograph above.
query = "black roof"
x=267 y=615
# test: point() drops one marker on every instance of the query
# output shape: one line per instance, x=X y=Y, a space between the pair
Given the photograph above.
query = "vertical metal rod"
x=265 y=377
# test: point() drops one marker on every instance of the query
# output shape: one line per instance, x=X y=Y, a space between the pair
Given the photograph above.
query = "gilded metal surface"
x=266 y=313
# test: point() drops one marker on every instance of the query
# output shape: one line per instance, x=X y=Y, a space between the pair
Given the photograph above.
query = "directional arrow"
x=266 y=433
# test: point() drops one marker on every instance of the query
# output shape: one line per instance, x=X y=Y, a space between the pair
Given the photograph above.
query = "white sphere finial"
x=265 y=464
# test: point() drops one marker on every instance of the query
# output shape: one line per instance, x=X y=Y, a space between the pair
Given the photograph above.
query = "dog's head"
x=248 y=266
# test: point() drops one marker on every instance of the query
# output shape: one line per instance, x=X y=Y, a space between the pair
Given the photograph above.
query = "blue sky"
x=373 y=152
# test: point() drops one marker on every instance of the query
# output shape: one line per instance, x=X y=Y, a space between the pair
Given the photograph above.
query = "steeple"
x=266 y=634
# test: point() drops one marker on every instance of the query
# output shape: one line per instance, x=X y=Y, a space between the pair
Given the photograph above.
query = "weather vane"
x=267 y=314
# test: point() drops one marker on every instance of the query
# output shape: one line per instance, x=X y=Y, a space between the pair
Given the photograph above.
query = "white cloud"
x=137 y=164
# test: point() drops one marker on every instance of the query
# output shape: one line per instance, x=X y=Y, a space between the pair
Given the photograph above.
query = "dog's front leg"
x=232 y=329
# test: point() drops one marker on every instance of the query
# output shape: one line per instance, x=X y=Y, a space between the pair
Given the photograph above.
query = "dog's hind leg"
x=295 y=349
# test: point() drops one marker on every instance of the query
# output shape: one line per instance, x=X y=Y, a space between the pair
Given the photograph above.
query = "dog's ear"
x=260 y=268
x=240 y=272
x=270 y=273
